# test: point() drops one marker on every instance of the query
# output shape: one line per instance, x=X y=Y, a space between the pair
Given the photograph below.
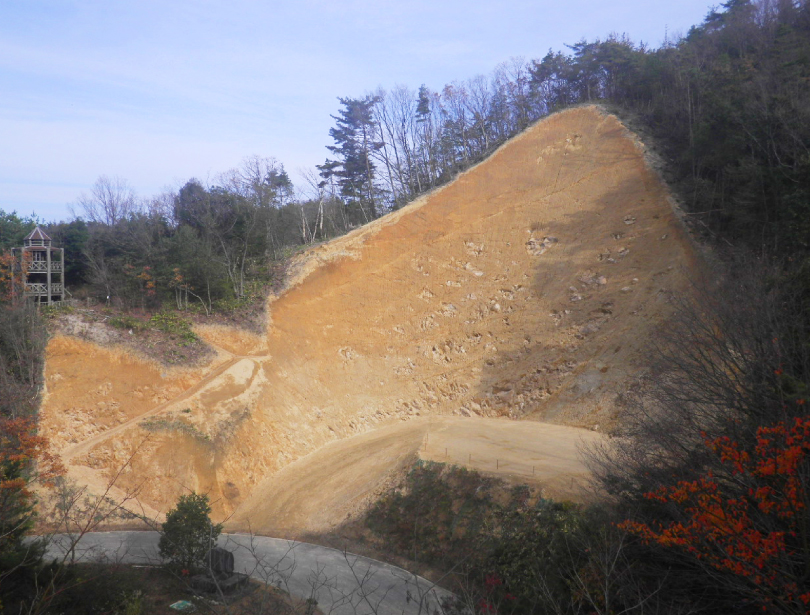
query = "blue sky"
x=158 y=92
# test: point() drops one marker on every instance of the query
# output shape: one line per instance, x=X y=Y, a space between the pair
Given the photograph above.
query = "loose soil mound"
x=525 y=289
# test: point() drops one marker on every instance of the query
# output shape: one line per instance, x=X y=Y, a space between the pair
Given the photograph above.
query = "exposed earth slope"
x=526 y=289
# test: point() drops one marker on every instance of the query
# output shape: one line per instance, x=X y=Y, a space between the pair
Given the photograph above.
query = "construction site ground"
x=494 y=323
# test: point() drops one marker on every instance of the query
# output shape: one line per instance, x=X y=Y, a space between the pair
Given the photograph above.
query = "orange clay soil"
x=526 y=290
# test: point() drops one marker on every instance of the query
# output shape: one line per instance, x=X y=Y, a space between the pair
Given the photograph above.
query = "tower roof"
x=37 y=234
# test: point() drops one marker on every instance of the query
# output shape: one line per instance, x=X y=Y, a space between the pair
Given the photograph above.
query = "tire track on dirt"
x=84 y=446
x=342 y=478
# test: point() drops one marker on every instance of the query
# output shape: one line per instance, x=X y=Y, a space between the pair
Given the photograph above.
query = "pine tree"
x=354 y=137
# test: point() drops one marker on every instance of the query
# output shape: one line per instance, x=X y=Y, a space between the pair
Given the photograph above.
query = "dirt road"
x=321 y=490
x=82 y=447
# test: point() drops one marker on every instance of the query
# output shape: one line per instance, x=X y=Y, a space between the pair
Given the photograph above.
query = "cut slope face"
x=527 y=289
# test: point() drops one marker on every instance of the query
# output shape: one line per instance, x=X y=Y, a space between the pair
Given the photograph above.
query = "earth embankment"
x=525 y=290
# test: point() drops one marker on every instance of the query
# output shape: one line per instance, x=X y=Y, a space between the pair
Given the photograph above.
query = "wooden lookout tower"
x=40 y=268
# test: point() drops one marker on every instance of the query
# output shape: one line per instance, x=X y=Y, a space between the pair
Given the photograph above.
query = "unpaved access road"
x=82 y=447
x=342 y=583
x=320 y=490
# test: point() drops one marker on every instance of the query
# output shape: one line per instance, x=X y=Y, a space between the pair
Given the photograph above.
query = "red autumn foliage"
x=752 y=523
x=144 y=279
x=25 y=462
x=12 y=271
x=21 y=446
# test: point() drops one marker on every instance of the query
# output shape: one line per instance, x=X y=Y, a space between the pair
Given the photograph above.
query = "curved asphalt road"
x=342 y=583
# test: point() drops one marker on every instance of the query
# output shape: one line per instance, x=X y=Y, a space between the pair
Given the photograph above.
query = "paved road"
x=342 y=583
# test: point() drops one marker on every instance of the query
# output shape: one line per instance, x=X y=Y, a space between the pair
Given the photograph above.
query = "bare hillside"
x=525 y=289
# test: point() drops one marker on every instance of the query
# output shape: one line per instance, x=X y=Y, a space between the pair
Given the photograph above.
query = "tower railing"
x=37 y=288
x=43 y=266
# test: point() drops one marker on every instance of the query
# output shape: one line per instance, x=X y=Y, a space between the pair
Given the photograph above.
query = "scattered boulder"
x=536 y=246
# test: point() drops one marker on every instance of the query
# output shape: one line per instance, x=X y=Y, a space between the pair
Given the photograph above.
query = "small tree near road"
x=188 y=532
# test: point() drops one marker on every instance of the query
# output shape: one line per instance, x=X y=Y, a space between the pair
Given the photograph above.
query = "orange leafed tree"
x=11 y=280
x=25 y=463
x=750 y=527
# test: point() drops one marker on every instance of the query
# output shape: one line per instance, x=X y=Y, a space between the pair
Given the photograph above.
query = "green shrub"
x=438 y=515
x=127 y=322
x=188 y=533
x=174 y=324
x=57 y=309
x=162 y=424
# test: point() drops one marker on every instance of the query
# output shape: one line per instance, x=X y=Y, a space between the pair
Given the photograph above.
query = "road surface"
x=342 y=583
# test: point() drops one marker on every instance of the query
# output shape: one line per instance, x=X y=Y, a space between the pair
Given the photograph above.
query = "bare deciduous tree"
x=715 y=369
x=111 y=200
